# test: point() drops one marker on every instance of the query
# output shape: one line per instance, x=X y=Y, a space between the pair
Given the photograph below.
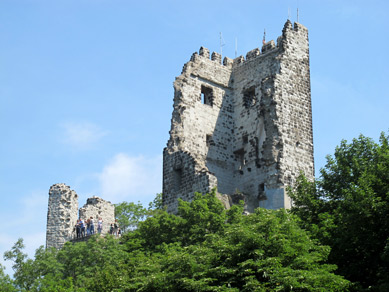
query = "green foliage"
x=207 y=248
x=6 y=283
x=348 y=207
x=156 y=204
x=129 y=215
x=23 y=267
x=204 y=248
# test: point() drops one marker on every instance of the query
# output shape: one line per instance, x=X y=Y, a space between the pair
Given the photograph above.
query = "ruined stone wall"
x=251 y=125
x=199 y=147
x=295 y=122
x=61 y=215
x=251 y=132
x=96 y=207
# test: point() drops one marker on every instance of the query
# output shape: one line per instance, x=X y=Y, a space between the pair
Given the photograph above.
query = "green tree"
x=207 y=248
x=156 y=204
x=129 y=215
x=203 y=248
x=348 y=209
x=6 y=283
x=22 y=266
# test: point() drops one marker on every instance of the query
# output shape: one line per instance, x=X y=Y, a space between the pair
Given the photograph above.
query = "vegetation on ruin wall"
x=348 y=209
x=342 y=219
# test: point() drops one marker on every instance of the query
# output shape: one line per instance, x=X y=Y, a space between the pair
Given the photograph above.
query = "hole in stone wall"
x=257 y=160
x=239 y=156
x=206 y=95
x=177 y=179
x=261 y=192
x=249 y=97
x=209 y=140
x=245 y=139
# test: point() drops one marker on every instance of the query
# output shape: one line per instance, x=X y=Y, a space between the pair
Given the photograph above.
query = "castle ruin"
x=243 y=125
x=63 y=212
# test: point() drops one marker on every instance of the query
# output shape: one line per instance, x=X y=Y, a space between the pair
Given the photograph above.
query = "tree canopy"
x=203 y=248
x=347 y=208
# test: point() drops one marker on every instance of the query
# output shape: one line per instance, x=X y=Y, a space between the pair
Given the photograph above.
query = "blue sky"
x=86 y=89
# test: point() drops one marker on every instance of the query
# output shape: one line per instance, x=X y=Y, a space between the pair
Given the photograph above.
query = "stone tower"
x=62 y=215
x=243 y=126
x=96 y=207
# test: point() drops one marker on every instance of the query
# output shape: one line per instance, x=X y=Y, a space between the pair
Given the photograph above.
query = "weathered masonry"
x=243 y=126
x=63 y=212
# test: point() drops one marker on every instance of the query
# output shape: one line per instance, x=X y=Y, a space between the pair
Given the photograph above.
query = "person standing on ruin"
x=92 y=226
x=88 y=226
x=82 y=224
x=115 y=228
x=78 y=228
x=99 y=225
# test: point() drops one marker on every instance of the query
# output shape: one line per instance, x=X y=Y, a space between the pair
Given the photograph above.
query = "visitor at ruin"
x=115 y=227
x=87 y=227
x=119 y=232
x=111 y=229
x=78 y=229
x=99 y=225
x=82 y=224
x=92 y=226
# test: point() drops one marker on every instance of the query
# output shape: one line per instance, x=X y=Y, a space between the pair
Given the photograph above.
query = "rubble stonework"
x=63 y=213
x=96 y=207
x=244 y=126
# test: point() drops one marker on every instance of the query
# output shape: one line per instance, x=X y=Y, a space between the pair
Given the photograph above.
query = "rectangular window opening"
x=206 y=95
x=245 y=139
x=261 y=192
x=249 y=98
x=239 y=156
x=177 y=179
x=208 y=140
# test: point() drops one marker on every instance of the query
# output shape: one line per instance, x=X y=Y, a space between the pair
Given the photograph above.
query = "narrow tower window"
x=249 y=97
x=206 y=95
x=261 y=192
x=208 y=140
x=245 y=139
x=177 y=179
x=239 y=156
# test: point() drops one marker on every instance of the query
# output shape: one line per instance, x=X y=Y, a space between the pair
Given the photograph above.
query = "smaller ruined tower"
x=61 y=215
x=98 y=208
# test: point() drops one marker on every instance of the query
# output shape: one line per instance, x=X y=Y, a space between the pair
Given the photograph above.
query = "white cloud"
x=127 y=178
x=81 y=135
